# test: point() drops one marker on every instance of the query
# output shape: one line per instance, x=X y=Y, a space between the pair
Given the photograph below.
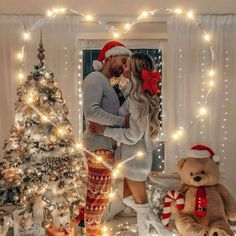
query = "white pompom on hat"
x=201 y=151
x=112 y=48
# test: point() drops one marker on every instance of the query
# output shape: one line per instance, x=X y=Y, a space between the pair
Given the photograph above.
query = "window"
x=91 y=54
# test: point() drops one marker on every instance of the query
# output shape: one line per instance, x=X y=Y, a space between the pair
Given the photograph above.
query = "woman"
x=142 y=104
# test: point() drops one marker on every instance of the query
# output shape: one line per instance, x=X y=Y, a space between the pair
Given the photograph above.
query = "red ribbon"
x=150 y=81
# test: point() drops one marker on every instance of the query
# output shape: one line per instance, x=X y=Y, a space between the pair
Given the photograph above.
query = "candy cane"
x=170 y=196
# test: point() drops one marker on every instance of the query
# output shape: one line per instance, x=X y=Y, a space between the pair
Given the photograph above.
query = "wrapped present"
x=61 y=223
x=25 y=224
x=69 y=230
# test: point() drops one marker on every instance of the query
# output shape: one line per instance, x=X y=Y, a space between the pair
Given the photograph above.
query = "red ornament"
x=150 y=81
x=200 y=202
x=80 y=218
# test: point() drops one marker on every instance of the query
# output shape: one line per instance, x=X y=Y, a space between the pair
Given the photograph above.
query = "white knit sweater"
x=134 y=139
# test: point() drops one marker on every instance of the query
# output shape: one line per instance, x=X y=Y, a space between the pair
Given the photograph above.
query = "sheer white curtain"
x=60 y=43
x=188 y=60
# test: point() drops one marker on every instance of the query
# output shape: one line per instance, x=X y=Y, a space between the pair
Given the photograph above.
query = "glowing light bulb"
x=211 y=83
x=115 y=173
x=190 y=15
x=26 y=36
x=62 y=10
x=207 y=37
x=44 y=119
x=89 y=18
x=127 y=26
x=21 y=76
x=180 y=132
x=175 y=136
x=116 y=35
x=211 y=73
x=99 y=158
x=111 y=195
x=59 y=10
x=202 y=111
x=144 y=15
x=31 y=96
x=139 y=154
x=178 y=11
x=20 y=56
x=119 y=166
x=47 y=75
x=50 y=13
x=43 y=82
x=104 y=229
x=61 y=132
x=78 y=145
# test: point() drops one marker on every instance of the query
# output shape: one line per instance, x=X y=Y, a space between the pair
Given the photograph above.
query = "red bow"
x=151 y=80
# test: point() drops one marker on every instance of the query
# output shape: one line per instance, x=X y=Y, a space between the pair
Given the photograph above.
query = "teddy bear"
x=208 y=204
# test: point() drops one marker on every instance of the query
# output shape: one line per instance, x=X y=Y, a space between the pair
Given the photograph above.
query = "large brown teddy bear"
x=208 y=204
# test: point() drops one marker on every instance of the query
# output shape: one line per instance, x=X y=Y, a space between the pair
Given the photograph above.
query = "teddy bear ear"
x=181 y=162
x=216 y=158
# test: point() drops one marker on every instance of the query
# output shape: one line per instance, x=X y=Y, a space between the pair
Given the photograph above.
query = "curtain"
x=188 y=60
x=60 y=43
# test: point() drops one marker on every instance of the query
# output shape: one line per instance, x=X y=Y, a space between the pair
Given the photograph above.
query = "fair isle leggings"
x=99 y=183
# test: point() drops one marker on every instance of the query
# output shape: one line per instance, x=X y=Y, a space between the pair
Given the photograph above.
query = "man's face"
x=116 y=65
x=126 y=69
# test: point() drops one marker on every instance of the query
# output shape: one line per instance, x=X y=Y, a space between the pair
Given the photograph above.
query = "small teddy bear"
x=208 y=204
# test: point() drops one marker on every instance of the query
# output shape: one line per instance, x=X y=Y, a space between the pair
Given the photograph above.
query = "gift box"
x=53 y=231
x=25 y=224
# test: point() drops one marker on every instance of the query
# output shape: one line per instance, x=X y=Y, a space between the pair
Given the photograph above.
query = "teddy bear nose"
x=197 y=178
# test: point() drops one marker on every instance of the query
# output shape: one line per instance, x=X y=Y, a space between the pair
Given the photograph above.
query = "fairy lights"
x=116 y=33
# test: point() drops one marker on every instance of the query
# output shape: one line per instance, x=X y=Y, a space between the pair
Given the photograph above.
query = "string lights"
x=32 y=97
x=116 y=34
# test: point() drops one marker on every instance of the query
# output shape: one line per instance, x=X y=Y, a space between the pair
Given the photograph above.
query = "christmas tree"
x=42 y=172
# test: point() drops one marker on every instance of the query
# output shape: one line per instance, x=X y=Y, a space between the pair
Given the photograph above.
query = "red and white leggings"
x=99 y=183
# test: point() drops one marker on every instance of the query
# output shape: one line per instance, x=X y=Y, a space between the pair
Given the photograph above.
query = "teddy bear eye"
x=191 y=174
x=202 y=172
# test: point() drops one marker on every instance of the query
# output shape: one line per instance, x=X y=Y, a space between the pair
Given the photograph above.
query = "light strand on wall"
x=203 y=69
x=190 y=15
x=80 y=95
x=178 y=134
x=225 y=102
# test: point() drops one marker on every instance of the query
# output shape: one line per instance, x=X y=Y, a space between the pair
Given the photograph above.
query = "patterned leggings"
x=99 y=183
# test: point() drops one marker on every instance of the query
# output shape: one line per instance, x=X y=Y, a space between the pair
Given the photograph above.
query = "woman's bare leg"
x=126 y=190
x=137 y=189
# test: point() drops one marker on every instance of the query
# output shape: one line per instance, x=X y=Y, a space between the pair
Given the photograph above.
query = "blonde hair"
x=149 y=104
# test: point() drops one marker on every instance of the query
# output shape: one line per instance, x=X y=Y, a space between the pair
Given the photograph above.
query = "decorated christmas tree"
x=42 y=172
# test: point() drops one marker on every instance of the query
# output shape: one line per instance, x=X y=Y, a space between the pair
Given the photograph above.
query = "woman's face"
x=126 y=69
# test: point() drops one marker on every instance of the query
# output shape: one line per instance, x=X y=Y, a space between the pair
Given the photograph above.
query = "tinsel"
x=156 y=194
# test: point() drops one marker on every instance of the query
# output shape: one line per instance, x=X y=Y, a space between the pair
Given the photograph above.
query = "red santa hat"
x=201 y=151
x=112 y=48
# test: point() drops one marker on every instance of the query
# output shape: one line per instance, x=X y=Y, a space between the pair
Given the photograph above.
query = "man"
x=101 y=105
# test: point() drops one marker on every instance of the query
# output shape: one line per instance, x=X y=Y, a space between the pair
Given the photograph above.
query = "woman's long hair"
x=149 y=104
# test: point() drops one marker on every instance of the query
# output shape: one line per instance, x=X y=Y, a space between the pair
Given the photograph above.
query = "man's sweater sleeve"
x=131 y=135
x=92 y=96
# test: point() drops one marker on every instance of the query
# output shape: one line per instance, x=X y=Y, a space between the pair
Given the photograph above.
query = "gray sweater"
x=101 y=105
